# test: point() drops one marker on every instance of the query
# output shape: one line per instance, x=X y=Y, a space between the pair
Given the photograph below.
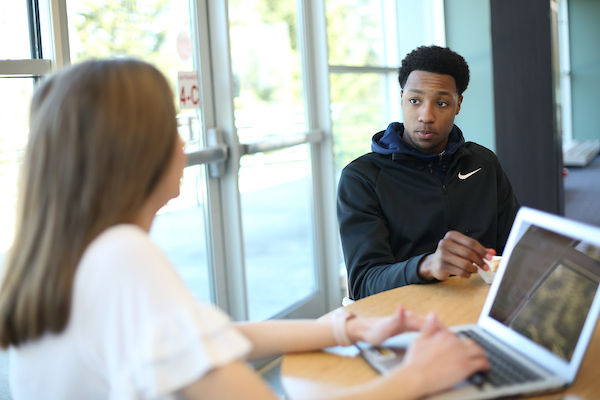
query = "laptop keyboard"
x=504 y=370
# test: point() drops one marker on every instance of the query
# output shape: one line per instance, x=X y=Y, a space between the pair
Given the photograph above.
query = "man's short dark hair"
x=438 y=60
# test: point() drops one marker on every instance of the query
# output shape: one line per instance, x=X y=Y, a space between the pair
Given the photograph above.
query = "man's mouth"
x=425 y=134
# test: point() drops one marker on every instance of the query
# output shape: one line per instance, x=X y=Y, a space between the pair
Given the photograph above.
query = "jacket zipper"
x=432 y=172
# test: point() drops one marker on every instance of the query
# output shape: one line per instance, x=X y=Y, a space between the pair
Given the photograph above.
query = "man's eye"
x=442 y=104
x=413 y=101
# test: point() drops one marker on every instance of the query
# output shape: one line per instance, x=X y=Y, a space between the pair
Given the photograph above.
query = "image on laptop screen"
x=548 y=288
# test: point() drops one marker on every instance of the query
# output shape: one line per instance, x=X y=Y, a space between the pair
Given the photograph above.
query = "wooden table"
x=456 y=301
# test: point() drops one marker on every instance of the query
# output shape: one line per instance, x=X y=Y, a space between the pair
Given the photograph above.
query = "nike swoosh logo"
x=465 y=176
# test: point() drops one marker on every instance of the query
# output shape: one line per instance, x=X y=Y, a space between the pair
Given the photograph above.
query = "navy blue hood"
x=390 y=142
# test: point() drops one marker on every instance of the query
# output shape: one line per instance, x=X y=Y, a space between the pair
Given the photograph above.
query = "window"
x=366 y=41
x=14 y=110
x=19 y=72
x=14 y=23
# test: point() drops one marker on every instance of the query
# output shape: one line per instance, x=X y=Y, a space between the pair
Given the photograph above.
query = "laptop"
x=538 y=317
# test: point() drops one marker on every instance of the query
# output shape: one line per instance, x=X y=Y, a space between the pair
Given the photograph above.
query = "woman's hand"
x=439 y=359
x=376 y=330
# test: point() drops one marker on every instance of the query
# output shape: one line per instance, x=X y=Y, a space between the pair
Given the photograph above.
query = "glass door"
x=259 y=61
x=274 y=175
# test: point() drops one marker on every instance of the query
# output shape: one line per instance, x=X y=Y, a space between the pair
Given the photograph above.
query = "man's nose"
x=426 y=114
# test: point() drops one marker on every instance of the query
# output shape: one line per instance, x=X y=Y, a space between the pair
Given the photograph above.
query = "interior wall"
x=584 y=42
x=528 y=141
x=468 y=32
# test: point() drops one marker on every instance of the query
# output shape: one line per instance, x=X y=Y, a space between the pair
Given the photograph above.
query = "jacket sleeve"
x=370 y=261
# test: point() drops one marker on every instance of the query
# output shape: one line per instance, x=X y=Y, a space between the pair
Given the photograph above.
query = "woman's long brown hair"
x=101 y=135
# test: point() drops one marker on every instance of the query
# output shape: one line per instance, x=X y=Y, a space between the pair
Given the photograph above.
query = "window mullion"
x=25 y=68
x=341 y=69
x=53 y=24
x=319 y=107
x=35 y=35
x=231 y=268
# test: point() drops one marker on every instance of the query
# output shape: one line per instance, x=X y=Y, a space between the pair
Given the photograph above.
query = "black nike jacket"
x=394 y=208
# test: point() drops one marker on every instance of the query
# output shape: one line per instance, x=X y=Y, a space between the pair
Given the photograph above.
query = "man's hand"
x=455 y=255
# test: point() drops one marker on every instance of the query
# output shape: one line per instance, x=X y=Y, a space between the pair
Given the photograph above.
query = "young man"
x=424 y=205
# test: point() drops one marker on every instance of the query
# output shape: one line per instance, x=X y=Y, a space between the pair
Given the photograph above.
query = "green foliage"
x=107 y=29
x=113 y=28
x=353 y=29
x=130 y=28
x=355 y=38
x=274 y=11
x=261 y=83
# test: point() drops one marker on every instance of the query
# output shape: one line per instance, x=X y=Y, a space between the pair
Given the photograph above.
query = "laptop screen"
x=548 y=288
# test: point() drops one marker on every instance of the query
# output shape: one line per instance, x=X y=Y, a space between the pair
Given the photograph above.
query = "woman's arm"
x=238 y=381
x=435 y=361
x=271 y=338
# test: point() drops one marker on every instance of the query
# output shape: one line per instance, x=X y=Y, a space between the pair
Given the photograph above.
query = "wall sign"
x=188 y=90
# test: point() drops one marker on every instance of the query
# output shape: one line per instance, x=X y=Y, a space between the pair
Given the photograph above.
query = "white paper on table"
x=488 y=276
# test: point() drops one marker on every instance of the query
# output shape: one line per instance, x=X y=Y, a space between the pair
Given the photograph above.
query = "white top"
x=135 y=331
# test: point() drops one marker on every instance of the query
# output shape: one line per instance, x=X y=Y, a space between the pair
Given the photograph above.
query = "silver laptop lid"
x=544 y=300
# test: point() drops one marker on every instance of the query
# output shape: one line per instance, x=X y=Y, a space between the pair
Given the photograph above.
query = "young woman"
x=91 y=309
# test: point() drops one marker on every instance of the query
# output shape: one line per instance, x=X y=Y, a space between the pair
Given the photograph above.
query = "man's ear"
x=401 y=93
x=459 y=103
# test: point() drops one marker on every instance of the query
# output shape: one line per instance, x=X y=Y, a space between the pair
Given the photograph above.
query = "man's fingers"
x=457 y=255
x=466 y=242
x=464 y=246
x=454 y=265
x=462 y=239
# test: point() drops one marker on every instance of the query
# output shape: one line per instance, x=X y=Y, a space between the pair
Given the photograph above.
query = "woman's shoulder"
x=121 y=233
x=119 y=240
x=127 y=252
